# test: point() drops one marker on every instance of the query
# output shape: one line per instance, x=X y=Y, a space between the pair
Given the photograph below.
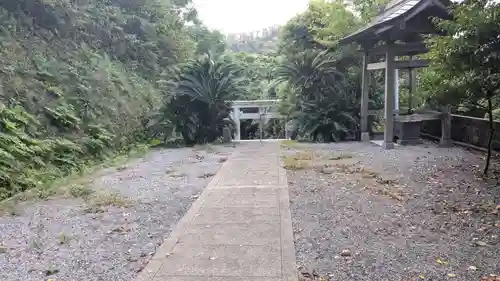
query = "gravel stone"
x=56 y=239
x=412 y=213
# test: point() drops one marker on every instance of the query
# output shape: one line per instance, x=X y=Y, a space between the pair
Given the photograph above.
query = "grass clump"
x=9 y=207
x=206 y=175
x=384 y=181
x=304 y=155
x=80 y=191
x=299 y=161
x=290 y=163
x=340 y=156
x=99 y=202
x=290 y=143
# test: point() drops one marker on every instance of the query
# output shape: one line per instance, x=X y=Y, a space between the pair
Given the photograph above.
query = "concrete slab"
x=238 y=215
x=242 y=197
x=244 y=186
x=256 y=179
x=245 y=174
x=233 y=234
x=249 y=191
x=218 y=278
x=223 y=260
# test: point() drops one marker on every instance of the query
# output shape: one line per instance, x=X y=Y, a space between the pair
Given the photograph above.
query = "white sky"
x=233 y=16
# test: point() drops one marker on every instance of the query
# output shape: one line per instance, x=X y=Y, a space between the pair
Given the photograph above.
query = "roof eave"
x=356 y=36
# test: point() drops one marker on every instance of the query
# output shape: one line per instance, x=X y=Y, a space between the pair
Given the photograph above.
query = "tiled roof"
x=392 y=11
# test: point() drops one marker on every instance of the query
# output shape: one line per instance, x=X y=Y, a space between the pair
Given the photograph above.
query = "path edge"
x=288 y=258
x=154 y=264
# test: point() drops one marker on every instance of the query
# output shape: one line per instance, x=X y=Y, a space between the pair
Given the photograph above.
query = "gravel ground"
x=413 y=213
x=62 y=239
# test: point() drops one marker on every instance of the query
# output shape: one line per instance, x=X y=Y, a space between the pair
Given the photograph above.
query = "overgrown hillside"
x=81 y=80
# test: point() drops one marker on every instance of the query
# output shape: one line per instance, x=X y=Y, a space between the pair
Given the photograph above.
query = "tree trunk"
x=490 y=139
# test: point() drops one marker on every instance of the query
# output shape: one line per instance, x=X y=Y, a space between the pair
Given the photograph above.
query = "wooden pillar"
x=413 y=85
x=365 y=134
x=446 y=140
x=286 y=129
x=389 y=98
x=236 y=115
x=261 y=123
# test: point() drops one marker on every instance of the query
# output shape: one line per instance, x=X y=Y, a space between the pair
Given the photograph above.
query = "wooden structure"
x=397 y=32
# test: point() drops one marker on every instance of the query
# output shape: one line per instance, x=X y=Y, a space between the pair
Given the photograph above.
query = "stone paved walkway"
x=239 y=229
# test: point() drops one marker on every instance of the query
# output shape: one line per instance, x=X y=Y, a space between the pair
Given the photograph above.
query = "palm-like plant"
x=309 y=70
x=204 y=91
x=325 y=108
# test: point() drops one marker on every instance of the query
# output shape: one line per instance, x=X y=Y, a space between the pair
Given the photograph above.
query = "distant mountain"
x=262 y=41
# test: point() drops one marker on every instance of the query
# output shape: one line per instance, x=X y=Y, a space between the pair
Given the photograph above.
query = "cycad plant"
x=204 y=91
x=324 y=108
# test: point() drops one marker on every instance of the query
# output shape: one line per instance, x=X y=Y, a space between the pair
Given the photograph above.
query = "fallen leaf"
x=481 y=243
x=421 y=276
x=440 y=261
x=491 y=277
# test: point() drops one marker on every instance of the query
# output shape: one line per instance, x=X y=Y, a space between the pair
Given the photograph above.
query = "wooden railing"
x=464 y=129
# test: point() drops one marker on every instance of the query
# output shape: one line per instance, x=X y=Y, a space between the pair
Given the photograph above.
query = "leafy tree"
x=466 y=61
x=258 y=71
x=368 y=9
x=208 y=41
x=324 y=107
x=321 y=26
x=322 y=79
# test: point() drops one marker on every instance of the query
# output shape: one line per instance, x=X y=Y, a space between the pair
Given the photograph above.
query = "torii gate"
x=262 y=110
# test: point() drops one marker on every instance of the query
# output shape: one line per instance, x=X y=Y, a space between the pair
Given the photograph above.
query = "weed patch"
x=9 y=207
x=290 y=143
x=99 y=202
x=80 y=191
x=206 y=175
x=340 y=156
x=290 y=163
